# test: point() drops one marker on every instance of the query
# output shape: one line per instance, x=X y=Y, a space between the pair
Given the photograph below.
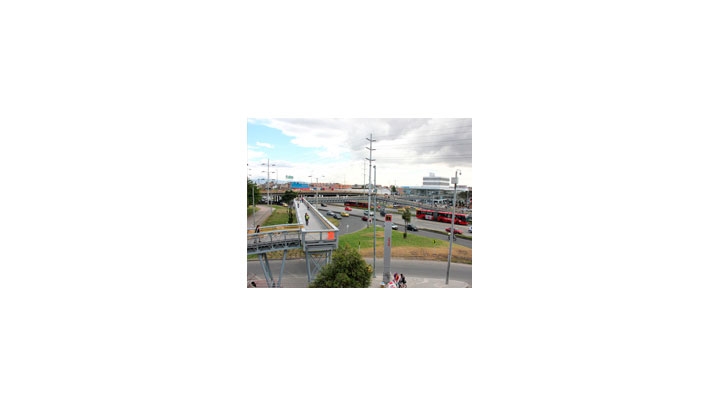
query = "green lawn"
x=365 y=238
x=278 y=217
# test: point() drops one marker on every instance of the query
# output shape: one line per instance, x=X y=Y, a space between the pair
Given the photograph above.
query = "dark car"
x=329 y=213
x=366 y=218
x=411 y=227
x=336 y=215
x=457 y=231
x=323 y=205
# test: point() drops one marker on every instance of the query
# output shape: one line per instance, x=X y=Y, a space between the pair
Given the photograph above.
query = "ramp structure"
x=318 y=238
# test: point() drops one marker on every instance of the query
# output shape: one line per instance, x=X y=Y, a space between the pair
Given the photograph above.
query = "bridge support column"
x=265 y=264
x=315 y=260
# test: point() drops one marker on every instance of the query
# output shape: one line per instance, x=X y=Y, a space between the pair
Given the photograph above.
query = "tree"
x=393 y=190
x=288 y=196
x=406 y=217
x=257 y=193
x=347 y=269
x=465 y=196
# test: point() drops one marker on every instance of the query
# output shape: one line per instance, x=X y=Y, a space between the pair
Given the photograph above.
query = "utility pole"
x=267 y=184
x=370 y=175
x=452 y=225
x=374 y=227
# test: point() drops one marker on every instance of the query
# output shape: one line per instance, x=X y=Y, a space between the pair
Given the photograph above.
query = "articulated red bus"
x=359 y=204
x=441 y=216
x=460 y=219
x=430 y=215
x=444 y=217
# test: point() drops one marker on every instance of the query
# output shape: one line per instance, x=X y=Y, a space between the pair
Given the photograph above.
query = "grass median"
x=279 y=216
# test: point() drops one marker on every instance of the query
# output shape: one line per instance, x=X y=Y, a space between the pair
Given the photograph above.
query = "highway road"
x=354 y=223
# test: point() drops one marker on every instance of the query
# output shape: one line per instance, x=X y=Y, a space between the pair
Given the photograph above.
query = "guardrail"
x=320 y=238
x=380 y=199
x=279 y=237
x=317 y=213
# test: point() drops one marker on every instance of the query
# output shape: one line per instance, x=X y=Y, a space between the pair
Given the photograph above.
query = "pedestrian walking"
x=257 y=228
x=403 y=282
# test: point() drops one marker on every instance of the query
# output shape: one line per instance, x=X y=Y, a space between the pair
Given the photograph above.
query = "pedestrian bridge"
x=318 y=239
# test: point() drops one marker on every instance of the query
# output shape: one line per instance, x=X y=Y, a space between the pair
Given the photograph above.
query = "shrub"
x=347 y=269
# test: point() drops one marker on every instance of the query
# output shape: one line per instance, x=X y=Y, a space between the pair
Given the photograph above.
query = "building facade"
x=436 y=190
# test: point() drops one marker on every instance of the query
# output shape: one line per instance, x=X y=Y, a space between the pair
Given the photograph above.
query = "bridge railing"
x=275 y=234
x=319 y=215
x=320 y=237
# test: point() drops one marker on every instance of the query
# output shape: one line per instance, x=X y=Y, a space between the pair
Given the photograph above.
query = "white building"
x=435 y=190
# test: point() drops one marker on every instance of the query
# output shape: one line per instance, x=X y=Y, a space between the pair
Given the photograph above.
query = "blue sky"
x=335 y=150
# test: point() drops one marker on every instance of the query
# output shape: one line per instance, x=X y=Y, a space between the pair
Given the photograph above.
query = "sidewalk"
x=291 y=281
x=263 y=213
x=415 y=282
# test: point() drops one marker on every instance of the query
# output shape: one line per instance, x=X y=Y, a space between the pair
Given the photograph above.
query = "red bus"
x=444 y=217
x=356 y=204
x=430 y=215
x=460 y=219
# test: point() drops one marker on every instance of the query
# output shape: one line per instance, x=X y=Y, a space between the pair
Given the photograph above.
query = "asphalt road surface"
x=354 y=223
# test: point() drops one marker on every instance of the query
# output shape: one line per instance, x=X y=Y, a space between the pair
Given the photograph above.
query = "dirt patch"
x=460 y=254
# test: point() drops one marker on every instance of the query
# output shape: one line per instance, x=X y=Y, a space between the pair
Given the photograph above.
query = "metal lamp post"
x=253 y=200
x=452 y=225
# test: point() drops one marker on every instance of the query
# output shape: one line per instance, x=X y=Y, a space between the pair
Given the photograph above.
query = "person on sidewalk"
x=403 y=282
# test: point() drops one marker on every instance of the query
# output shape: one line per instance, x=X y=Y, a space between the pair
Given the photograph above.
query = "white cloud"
x=264 y=145
x=254 y=154
x=406 y=149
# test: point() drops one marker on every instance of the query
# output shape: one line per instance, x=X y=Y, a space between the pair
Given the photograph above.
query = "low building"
x=436 y=191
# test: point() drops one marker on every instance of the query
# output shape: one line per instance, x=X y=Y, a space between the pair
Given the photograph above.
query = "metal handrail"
x=269 y=237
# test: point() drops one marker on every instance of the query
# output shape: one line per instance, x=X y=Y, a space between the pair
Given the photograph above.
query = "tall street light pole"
x=452 y=225
x=253 y=198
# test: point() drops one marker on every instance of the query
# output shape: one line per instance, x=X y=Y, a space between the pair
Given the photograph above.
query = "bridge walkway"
x=318 y=239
